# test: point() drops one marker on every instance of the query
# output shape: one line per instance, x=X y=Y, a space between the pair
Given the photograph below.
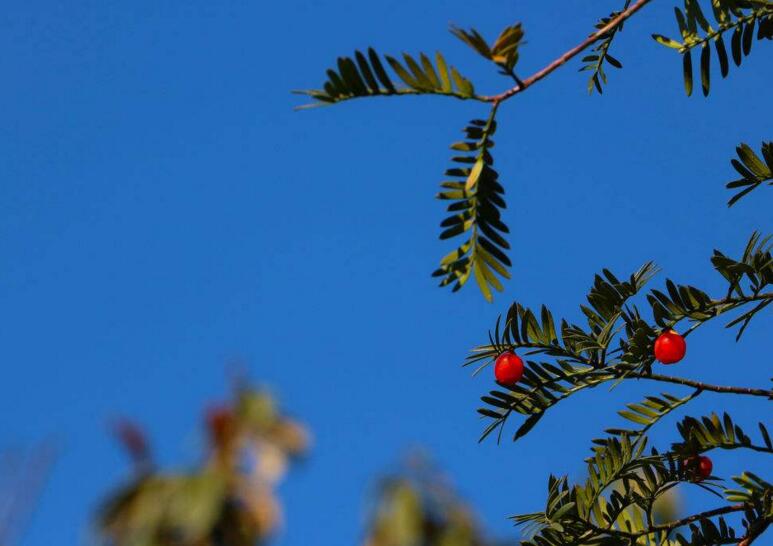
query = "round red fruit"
x=699 y=468
x=670 y=347
x=705 y=466
x=508 y=368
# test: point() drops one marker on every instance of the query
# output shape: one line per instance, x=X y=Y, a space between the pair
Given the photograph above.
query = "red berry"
x=508 y=368
x=699 y=468
x=705 y=466
x=670 y=347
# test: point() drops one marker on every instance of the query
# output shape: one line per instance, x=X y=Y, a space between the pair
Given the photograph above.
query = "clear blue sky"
x=163 y=211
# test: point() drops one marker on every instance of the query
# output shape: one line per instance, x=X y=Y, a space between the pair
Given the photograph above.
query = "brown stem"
x=705 y=386
x=754 y=533
x=563 y=59
x=697 y=517
x=670 y=526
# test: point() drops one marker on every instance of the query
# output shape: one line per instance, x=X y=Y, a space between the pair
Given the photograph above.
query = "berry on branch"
x=670 y=347
x=508 y=368
x=698 y=468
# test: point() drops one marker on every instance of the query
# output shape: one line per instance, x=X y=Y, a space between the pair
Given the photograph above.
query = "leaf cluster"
x=594 y=62
x=228 y=500
x=646 y=413
x=741 y=17
x=615 y=503
x=585 y=513
x=366 y=75
x=474 y=209
x=475 y=212
x=754 y=170
x=713 y=432
x=617 y=343
x=503 y=52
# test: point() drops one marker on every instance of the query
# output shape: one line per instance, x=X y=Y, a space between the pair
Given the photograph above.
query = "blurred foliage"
x=227 y=500
x=417 y=507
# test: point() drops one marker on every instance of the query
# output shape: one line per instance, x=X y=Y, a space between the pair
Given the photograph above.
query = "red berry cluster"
x=508 y=368
x=670 y=347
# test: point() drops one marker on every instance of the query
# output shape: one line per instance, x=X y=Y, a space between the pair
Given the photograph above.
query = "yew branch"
x=705 y=386
x=566 y=57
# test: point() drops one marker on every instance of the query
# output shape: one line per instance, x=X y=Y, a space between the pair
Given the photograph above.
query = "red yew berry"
x=698 y=468
x=508 y=368
x=705 y=466
x=670 y=347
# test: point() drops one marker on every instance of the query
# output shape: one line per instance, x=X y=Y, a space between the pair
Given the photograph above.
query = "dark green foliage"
x=617 y=343
x=606 y=301
x=742 y=17
x=542 y=386
x=366 y=76
x=600 y=53
x=686 y=302
x=476 y=208
x=579 y=354
x=615 y=503
x=646 y=413
x=679 y=302
x=699 y=435
x=707 y=533
x=754 y=170
x=756 y=268
x=476 y=200
x=522 y=328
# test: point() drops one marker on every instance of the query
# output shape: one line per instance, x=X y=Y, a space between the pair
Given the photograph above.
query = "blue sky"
x=164 y=211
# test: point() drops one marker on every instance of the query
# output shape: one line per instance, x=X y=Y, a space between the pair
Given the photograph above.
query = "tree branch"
x=670 y=526
x=704 y=386
x=755 y=531
x=697 y=517
x=563 y=59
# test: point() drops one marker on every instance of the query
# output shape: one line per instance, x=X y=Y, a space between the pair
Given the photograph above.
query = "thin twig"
x=755 y=531
x=697 y=517
x=563 y=59
x=670 y=526
x=705 y=386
